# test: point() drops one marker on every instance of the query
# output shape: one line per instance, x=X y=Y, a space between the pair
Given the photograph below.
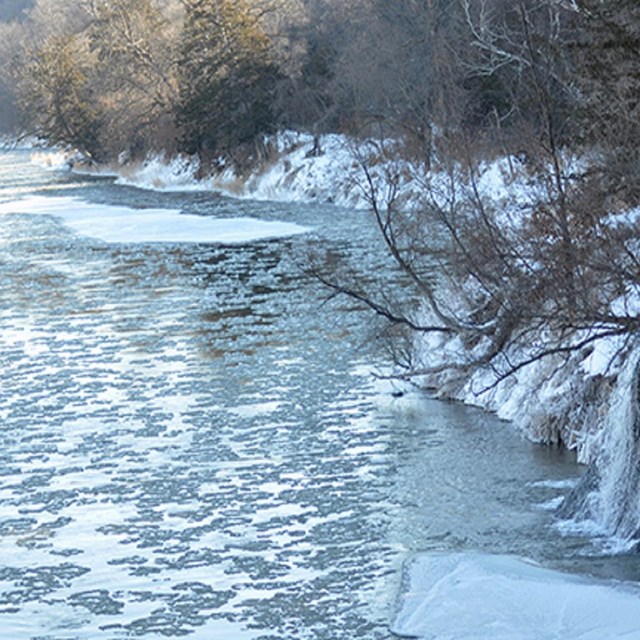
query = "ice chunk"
x=123 y=224
x=465 y=596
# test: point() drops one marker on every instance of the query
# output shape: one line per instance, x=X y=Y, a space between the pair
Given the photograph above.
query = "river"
x=193 y=444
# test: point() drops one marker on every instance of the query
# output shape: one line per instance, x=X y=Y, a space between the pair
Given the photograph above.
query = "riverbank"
x=293 y=172
x=572 y=398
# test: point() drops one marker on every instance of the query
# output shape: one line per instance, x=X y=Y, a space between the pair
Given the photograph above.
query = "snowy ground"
x=294 y=173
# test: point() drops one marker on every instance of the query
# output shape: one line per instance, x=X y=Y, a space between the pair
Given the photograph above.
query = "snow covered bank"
x=303 y=172
x=300 y=168
x=557 y=399
x=586 y=400
x=484 y=597
x=117 y=224
x=293 y=174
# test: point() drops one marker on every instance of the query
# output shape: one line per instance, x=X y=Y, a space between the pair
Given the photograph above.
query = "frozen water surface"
x=191 y=445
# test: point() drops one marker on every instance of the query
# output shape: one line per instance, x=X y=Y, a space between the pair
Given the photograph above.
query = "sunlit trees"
x=10 y=46
x=12 y=13
x=134 y=44
x=55 y=90
x=30 y=33
x=226 y=76
x=100 y=75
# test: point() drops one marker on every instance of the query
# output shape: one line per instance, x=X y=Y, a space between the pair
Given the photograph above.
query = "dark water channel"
x=191 y=444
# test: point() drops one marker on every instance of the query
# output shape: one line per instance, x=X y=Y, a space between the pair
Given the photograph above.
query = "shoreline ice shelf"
x=473 y=596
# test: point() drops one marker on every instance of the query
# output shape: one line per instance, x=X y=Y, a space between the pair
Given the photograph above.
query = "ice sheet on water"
x=467 y=596
x=123 y=224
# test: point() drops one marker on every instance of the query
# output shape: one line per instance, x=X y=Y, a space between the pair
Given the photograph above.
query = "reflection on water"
x=192 y=444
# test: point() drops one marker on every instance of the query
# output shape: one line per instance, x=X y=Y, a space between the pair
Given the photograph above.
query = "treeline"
x=211 y=76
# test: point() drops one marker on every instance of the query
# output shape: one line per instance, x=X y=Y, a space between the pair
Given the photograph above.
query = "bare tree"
x=536 y=274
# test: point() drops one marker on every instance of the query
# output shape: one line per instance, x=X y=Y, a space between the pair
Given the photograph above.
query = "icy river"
x=192 y=444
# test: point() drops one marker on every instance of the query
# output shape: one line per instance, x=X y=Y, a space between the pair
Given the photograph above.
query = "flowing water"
x=192 y=444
